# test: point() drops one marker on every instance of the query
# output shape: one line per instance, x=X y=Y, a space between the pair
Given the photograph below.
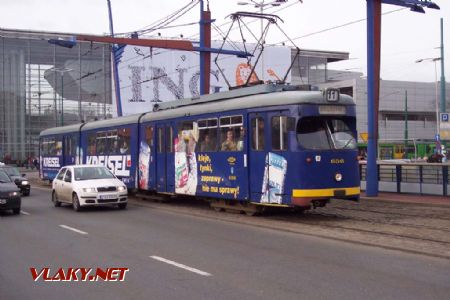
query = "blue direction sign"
x=444 y=117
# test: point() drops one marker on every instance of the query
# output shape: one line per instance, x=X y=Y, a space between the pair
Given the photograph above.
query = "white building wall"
x=421 y=101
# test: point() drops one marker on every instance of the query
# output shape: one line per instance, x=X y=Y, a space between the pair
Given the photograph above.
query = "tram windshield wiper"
x=348 y=142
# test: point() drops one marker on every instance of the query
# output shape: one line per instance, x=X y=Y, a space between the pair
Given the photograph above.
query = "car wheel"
x=75 y=203
x=122 y=205
x=16 y=210
x=55 y=200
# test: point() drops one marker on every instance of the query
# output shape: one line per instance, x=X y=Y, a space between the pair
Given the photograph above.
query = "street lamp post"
x=406 y=121
x=435 y=59
x=62 y=71
x=261 y=5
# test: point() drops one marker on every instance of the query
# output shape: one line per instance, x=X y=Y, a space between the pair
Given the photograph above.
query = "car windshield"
x=89 y=173
x=326 y=133
x=3 y=177
x=12 y=171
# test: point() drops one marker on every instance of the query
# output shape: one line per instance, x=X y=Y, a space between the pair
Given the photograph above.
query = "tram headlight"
x=338 y=177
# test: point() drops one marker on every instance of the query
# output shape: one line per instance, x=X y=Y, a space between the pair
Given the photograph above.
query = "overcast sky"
x=406 y=36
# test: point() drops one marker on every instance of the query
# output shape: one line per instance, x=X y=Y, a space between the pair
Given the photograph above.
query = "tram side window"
x=70 y=146
x=232 y=133
x=49 y=146
x=111 y=142
x=187 y=136
x=124 y=137
x=149 y=135
x=169 y=139
x=91 y=149
x=207 y=135
x=279 y=133
x=59 y=147
x=257 y=134
x=100 y=143
x=160 y=139
x=67 y=145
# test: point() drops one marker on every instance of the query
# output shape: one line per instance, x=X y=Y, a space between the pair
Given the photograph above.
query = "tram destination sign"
x=332 y=110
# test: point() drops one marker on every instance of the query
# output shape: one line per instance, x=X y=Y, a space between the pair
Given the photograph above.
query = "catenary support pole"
x=114 y=64
x=373 y=76
x=443 y=107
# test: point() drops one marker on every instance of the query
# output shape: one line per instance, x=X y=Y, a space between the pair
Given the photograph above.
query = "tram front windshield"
x=326 y=133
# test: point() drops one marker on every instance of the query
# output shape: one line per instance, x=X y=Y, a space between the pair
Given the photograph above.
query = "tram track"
x=427 y=215
x=377 y=232
x=419 y=221
x=387 y=232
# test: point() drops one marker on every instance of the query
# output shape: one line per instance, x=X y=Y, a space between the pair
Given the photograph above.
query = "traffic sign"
x=364 y=136
x=445 y=117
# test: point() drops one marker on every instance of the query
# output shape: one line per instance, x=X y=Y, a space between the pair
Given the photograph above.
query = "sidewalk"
x=409 y=198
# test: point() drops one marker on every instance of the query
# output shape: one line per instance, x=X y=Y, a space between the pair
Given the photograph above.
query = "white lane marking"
x=73 y=229
x=24 y=213
x=170 y=262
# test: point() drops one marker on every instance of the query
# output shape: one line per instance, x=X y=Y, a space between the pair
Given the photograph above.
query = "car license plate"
x=107 y=196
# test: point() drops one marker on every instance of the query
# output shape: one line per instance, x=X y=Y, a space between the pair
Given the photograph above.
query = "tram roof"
x=61 y=130
x=131 y=119
x=275 y=98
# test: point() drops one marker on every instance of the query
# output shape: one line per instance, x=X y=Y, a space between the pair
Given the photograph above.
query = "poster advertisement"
x=150 y=75
x=144 y=164
x=186 y=163
x=273 y=179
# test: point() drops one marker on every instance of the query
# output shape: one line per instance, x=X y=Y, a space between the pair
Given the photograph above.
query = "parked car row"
x=19 y=179
x=9 y=194
x=78 y=185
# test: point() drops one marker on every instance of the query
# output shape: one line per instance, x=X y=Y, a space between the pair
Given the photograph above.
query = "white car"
x=88 y=185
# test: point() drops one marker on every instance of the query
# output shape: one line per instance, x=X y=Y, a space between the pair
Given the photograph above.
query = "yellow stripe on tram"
x=325 y=192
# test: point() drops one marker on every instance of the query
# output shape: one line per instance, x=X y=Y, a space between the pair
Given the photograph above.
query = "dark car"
x=9 y=194
x=22 y=183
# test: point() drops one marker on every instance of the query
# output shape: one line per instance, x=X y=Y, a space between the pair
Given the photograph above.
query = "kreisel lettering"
x=118 y=164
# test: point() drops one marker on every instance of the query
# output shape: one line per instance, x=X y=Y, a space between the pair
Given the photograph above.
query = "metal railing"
x=410 y=177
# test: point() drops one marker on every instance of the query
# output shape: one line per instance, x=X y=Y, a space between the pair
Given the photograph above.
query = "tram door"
x=70 y=142
x=257 y=149
x=268 y=147
x=160 y=158
x=147 y=156
x=170 y=158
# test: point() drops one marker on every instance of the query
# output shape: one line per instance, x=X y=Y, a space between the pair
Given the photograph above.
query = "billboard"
x=149 y=75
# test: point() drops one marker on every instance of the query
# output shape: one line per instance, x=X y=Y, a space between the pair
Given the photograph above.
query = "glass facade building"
x=43 y=85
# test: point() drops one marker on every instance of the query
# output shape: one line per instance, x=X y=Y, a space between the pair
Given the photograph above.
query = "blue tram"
x=263 y=145
x=58 y=147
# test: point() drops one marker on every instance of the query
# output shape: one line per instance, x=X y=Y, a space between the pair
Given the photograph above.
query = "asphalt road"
x=230 y=261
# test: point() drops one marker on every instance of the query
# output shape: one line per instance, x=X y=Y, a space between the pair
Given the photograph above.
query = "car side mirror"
x=16 y=181
x=67 y=179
